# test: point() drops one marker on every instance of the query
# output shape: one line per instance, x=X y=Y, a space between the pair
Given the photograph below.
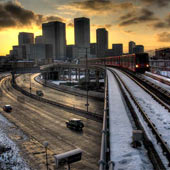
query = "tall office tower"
x=25 y=38
x=138 y=49
x=54 y=33
x=132 y=44
x=39 y=40
x=93 y=49
x=118 y=49
x=82 y=36
x=102 y=42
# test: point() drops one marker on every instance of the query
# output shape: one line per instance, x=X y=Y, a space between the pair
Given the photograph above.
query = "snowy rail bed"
x=122 y=153
x=156 y=113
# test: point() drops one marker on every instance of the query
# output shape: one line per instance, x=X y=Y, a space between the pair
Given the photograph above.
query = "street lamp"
x=30 y=83
x=87 y=90
x=46 y=156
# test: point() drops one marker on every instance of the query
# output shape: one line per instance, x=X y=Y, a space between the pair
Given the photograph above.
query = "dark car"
x=7 y=108
x=75 y=124
x=39 y=93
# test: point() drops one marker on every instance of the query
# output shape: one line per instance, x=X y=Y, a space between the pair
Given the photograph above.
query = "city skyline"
x=125 y=21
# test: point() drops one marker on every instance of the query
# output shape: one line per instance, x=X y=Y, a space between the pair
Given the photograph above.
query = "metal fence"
x=104 y=163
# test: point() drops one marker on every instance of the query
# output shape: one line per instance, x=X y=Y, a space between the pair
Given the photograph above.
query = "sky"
x=146 y=22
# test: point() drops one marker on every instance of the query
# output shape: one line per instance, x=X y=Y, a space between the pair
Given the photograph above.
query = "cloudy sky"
x=146 y=22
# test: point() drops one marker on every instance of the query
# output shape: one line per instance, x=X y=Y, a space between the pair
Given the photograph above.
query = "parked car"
x=7 y=108
x=39 y=93
x=75 y=124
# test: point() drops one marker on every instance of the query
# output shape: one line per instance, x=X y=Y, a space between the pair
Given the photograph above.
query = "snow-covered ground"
x=157 y=114
x=158 y=83
x=10 y=160
x=121 y=153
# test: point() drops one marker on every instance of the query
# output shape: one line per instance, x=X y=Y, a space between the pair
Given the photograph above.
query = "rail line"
x=152 y=152
x=80 y=112
x=162 y=96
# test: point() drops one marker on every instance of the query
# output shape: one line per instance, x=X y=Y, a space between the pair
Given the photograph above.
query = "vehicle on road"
x=75 y=124
x=39 y=93
x=7 y=108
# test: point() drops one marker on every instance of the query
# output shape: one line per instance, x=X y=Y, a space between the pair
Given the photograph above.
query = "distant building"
x=132 y=44
x=162 y=53
x=70 y=52
x=118 y=49
x=138 y=49
x=39 y=40
x=19 y=52
x=54 y=33
x=109 y=53
x=93 y=49
x=25 y=38
x=102 y=41
x=82 y=36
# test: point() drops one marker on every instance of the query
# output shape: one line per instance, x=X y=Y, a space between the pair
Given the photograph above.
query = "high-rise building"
x=54 y=33
x=118 y=49
x=70 y=52
x=39 y=40
x=82 y=36
x=25 y=38
x=138 y=49
x=93 y=49
x=102 y=41
x=132 y=44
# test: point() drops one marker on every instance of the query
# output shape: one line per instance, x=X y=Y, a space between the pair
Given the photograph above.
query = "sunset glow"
x=145 y=22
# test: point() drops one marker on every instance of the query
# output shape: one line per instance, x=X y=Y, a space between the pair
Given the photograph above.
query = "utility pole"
x=87 y=90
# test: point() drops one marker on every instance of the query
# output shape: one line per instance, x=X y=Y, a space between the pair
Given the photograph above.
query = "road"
x=43 y=122
x=58 y=96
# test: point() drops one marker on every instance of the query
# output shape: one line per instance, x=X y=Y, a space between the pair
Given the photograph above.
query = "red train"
x=133 y=62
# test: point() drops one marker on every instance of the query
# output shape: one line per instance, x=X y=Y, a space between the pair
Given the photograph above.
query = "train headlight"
x=147 y=65
x=137 y=66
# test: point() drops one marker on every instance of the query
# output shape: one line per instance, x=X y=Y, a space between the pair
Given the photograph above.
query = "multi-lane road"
x=44 y=122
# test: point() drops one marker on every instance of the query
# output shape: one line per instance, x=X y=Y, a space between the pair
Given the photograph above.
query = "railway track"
x=89 y=115
x=153 y=152
x=162 y=95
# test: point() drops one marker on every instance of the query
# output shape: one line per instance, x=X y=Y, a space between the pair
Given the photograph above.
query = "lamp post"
x=30 y=83
x=87 y=90
x=46 y=156
x=86 y=72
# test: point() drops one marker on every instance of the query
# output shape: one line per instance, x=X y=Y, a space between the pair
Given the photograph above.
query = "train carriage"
x=133 y=62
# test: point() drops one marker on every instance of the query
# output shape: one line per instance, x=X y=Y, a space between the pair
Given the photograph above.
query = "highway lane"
x=58 y=96
x=45 y=122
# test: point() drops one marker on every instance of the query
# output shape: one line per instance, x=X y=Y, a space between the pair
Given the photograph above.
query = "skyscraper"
x=25 y=38
x=82 y=36
x=54 y=33
x=118 y=49
x=102 y=41
x=39 y=40
x=138 y=49
x=132 y=44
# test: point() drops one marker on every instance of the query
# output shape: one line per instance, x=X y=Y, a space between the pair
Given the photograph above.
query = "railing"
x=105 y=148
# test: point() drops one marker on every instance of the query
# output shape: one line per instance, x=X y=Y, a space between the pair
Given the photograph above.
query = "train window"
x=142 y=58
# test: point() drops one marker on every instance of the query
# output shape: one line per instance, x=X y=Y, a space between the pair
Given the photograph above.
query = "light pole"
x=46 y=156
x=87 y=90
x=30 y=83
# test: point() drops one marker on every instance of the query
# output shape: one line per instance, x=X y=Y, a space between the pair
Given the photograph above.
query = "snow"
x=160 y=77
x=121 y=153
x=11 y=159
x=158 y=83
x=157 y=114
